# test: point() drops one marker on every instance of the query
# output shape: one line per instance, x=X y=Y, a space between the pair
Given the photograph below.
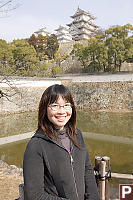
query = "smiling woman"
x=60 y=113
x=56 y=161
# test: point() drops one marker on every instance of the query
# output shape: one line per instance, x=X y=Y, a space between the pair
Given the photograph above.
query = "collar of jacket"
x=41 y=134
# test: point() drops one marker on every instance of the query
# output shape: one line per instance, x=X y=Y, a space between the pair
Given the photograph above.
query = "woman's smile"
x=60 y=116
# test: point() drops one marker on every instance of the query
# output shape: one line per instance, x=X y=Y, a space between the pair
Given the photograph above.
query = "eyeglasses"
x=56 y=107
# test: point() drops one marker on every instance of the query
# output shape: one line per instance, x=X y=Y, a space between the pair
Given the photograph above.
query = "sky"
x=31 y=15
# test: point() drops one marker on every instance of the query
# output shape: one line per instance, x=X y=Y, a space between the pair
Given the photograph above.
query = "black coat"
x=77 y=177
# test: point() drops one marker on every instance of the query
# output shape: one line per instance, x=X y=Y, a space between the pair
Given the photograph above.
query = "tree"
x=52 y=46
x=116 y=52
x=59 y=57
x=24 y=57
x=56 y=70
x=118 y=45
x=40 y=44
x=42 y=69
x=97 y=53
x=10 y=91
x=5 y=53
x=6 y=58
x=119 y=32
x=33 y=41
x=129 y=49
x=93 y=56
x=99 y=32
x=81 y=53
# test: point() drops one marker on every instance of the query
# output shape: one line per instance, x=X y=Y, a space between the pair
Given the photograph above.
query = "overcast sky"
x=32 y=15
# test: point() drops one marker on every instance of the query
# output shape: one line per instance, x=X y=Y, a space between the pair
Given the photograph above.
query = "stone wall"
x=26 y=99
x=102 y=95
x=88 y=92
x=23 y=94
x=71 y=65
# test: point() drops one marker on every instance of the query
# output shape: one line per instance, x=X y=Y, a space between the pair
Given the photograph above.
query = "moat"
x=116 y=125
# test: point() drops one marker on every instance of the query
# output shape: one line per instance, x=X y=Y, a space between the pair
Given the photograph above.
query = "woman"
x=56 y=161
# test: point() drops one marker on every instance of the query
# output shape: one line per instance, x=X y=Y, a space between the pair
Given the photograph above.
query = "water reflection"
x=14 y=124
x=117 y=124
x=13 y=153
x=120 y=154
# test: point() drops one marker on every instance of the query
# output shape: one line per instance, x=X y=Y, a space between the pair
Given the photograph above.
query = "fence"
x=103 y=174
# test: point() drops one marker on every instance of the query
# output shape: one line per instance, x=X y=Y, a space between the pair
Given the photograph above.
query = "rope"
x=102 y=178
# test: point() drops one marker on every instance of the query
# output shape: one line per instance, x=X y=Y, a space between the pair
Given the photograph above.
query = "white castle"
x=81 y=28
x=63 y=34
x=42 y=31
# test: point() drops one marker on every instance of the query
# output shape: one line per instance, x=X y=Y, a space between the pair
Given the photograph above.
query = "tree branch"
x=13 y=90
x=8 y=6
x=5 y=3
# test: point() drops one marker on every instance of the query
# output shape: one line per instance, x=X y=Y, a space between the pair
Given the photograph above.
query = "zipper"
x=71 y=161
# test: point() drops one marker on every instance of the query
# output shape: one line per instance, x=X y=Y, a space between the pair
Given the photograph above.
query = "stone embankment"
x=22 y=94
x=107 y=96
x=109 y=92
x=10 y=169
x=10 y=178
x=112 y=92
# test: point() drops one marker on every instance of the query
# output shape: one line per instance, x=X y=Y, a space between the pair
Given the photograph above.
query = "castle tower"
x=42 y=31
x=82 y=26
x=63 y=35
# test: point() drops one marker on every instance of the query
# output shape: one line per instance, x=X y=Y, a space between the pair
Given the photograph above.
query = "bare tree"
x=10 y=91
x=7 y=6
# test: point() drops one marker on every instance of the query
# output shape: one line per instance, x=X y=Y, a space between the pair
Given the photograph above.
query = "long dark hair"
x=49 y=96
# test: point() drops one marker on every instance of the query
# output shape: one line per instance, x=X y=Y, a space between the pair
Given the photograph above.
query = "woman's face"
x=58 y=114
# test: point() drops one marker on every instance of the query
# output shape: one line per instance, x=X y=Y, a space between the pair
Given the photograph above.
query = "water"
x=121 y=155
x=14 y=124
x=117 y=124
x=109 y=124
